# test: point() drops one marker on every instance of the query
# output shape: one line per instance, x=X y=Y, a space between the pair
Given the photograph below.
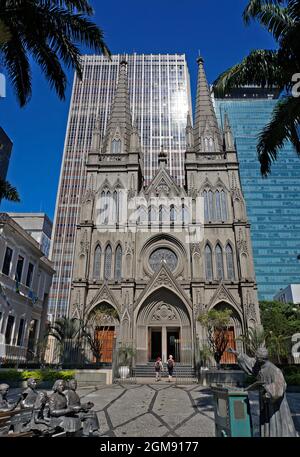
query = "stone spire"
x=189 y=133
x=119 y=126
x=207 y=136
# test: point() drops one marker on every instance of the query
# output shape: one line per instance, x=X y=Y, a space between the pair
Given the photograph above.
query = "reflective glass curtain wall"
x=273 y=203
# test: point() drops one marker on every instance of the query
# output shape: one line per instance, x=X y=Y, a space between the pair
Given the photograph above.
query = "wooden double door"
x=104 y=344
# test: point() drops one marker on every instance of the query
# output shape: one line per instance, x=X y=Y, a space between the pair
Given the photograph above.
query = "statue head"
x=262 y=355
x=4 y=388
x=72 y=384
x=59 y=386
x=31 y=382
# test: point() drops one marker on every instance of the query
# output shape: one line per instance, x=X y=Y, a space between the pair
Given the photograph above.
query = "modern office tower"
x=159 y=91
x=290 y=294
x=38 y=225
x=5 y=151
x=272 y=203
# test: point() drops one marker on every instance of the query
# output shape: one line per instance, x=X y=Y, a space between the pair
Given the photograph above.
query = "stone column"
x=164 y=347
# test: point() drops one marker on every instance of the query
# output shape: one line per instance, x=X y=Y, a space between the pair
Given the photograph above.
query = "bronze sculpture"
x=275 y=415
x=5 y=405
x=88 y=418
x=63 y=416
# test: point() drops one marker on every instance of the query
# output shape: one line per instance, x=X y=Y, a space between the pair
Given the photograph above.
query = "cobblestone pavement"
x=163 y=410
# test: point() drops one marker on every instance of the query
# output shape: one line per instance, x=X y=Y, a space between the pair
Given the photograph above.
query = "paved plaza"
x=161 y=410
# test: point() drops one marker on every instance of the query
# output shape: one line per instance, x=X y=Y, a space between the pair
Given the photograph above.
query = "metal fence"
x=68 y=354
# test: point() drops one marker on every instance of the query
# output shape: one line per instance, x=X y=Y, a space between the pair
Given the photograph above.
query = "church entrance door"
x=173 y=344
x=156 y=343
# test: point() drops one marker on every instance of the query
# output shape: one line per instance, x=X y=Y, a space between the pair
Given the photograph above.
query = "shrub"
x=39 y=375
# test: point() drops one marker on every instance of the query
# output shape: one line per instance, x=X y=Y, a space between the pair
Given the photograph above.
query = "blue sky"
x=214 y=27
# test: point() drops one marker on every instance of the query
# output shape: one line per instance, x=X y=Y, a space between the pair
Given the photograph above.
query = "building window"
x=172 y=214
x=229 y=262
x=29 y=275
x=211 y=210
x=32 y=334
x=97 y=263
x=219 y=262
x=208 y=263
x=218 y=206
x=107 y=262
x=118 y=264
x=163 y=256
x=206 y=206
x=9 y=329
x=116 y=206
x=116 y=146
x=19 y=268
x=20 y=332
x=224 y=206
x=7 y=261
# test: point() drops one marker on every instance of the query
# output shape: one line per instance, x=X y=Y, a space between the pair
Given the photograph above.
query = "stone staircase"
x=180 y=371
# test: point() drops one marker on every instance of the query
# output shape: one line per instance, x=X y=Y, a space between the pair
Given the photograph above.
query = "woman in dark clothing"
x=171 y=365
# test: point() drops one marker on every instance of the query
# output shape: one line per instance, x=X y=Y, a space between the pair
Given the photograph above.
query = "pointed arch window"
x=211 y=208
x=229 y=262
x=208 y=263
x=116 y=207
x=116 y=146
x=107 y=262
x=118 y=263
x=97 y=263
x=206 y=206
x=218 y=206
x=172 y=214
x=224 y=206
x=219 y=262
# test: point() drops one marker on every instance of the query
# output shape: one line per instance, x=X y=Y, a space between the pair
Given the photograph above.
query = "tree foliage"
x=216 y=323
x=51 y=33
x=272 y=68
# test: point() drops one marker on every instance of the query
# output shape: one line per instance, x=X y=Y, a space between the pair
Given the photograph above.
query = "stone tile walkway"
x=163 y=410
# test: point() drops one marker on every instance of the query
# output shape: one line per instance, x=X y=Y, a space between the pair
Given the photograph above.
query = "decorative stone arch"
x=165 y=310
x=104 y=328
x=236 y=320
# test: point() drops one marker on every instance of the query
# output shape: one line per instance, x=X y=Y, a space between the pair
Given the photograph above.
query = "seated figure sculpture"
x=28 y=396
x=89 y=418
x=5 y=405
x=40 y=423
x=62 y=415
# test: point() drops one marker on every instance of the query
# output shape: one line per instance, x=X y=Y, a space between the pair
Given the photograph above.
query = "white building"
x=38 y=225
x=291 y=294
x=25 y=280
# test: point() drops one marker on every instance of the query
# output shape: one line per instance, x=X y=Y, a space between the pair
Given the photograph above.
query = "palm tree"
x=8 y=192
x=253 y=339
x=67 y=333
x=49 y=31
x=272 y=68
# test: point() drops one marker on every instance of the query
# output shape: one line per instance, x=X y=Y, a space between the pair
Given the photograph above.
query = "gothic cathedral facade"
x=156 y=277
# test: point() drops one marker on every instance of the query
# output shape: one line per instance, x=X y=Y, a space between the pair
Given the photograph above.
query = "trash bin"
x=232 y=412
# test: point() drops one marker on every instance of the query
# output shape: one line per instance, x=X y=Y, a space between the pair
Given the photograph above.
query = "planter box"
x=43 y=385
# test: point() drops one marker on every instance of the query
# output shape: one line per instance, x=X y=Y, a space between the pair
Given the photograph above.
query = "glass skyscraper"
x=273 y=203
x=159 y=89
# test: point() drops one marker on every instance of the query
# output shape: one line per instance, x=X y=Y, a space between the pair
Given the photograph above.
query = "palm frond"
x=282 y=128
x=18 y=69
x=260 y=68
x=254 y=7
x=4 y=33
x=8 y=192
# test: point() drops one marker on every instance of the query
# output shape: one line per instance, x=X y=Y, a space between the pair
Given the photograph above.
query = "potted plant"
x=205 y=355
x=125 y=356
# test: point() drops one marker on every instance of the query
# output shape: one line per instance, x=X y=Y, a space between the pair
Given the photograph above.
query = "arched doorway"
x=102 y=330
x=163 y=327
x=234 y=331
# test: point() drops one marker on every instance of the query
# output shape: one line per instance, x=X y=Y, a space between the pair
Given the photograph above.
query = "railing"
x=68 y=354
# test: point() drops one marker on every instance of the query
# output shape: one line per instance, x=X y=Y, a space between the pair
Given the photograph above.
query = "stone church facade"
x=161 y=255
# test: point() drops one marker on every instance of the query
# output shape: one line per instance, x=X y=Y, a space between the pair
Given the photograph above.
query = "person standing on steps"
x=158 y=369
x=171 y=365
